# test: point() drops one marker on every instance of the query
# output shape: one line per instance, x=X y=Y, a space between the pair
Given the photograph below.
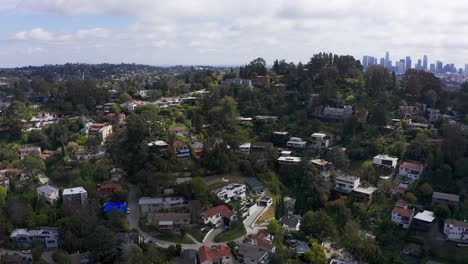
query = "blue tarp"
x=115 y=207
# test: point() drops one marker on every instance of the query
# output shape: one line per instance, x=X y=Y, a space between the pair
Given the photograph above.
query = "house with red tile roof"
x=110 y=188
x=216 y=254
x=402 y=216
x=411 y=170
x=262 y=239
x=216 y=215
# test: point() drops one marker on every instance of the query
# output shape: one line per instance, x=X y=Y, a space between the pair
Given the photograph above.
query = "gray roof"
x=290 y=221
x=251 y=251
x=254 y=184
x=188 y=256
x=446 y=196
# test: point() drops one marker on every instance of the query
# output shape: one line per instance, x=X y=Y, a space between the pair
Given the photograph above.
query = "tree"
x=410 y=197
x=274 y=227
x=425 y=189
x=133 y=255
x=338 y=157
x=318 y=224
x=316 y=254
x=200 y=190
x=102 y=244
x=3 y=195
x=442 y=211
x=125 y=97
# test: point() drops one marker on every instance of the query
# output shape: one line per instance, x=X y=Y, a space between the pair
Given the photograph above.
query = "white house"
x=385 y=161
x=296 y=142
x=48 y=192
x=233 y=191
x=245 y=148
x=346 y=183
x=319 y=141
x=75 y=197
x=402 y=216
x=289 y=160
x=215 y=215
x=456 y=230
x=411 y=170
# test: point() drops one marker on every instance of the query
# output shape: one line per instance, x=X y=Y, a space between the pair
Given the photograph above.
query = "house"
x=108 y=107
x=264 y=201
x=244 y=120
x=29 y=151
x=180 y=131
x=288 y=160
x=408 y=111
x=233 y=191
x=346 y=183
x=220 y=254
x=157 y=204
x=101 y=130
x=116 y=118
x=218 y=214
x=75 y=197
x=279 y=138
x=158 y=145
x=385 y=161
x=298 y=247
x=251 y=254
x=296 y=142
x=145 y=93
x=48 y=192
x=110 y=188
x=319 y=141
x=291 y=222
x=324 y=167
x=262 y=239
x=48 y=236
x=254 y=185
x=115 y=207
x=132 y=105
x=188 y=256
x=244 y=83
x=288 y=203
x=197 y=149
x=13 y=175
x=433 y=114
x=245 y=148
x=180 y=149
x=265 y=119
x=262 y=80
x=439 y=198
x=402 y=216
x=168 y=221
x=411 y=170
x=422 y=221
x=337 y=113
x=456 y=230
x=364 y=194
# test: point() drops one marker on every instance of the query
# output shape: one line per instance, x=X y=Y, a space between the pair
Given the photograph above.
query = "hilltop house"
x=168 y=221
x=251 y=254
x=29 y=151
x=337 y=113
x=346 y=183
x=319 y=141
x=411 y=170
x=75 y=197
x=233 y=191
x=456 y=230
x=218 y=214
x=422 y=221
x=101 y=130
x=157 y=204
x=401 y=215
x=385 y=161
x=289 y=160
x=296 y=142
x=48 y=192
x=180 y=149
x=220 y=254
x=291 y=222
x=439 y=198
x=47 y=236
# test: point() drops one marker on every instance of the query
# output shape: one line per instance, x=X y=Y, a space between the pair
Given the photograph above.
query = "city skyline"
x=37 y=32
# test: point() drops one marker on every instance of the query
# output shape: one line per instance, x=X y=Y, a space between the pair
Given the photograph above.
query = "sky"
x=226 y=32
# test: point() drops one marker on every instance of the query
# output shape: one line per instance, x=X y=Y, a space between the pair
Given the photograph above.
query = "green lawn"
x=198 y=234
x=229 y=235
x=175 y=238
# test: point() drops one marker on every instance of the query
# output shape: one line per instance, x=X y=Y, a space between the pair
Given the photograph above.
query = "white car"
x=26 y=251
x=128 y=210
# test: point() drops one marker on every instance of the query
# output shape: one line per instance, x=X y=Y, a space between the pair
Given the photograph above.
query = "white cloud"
x=220 y=32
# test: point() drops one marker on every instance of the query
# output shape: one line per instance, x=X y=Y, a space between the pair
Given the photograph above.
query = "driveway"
x=250 y=220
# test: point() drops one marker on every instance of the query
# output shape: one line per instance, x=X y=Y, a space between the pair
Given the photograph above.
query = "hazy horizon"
x=208 y=32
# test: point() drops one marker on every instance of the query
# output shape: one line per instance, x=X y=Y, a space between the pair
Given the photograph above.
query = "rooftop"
x=402 y=211
x=320 y=162
x=251 y=251
x=73 y=190
x=213 y=253
x=220 y=209
x=446 y=196
x=385 y=156
x=348 y=178
x=412 y=165
x=366 y=190
x=456 y=223
x=426 y=216
x=290 y=159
